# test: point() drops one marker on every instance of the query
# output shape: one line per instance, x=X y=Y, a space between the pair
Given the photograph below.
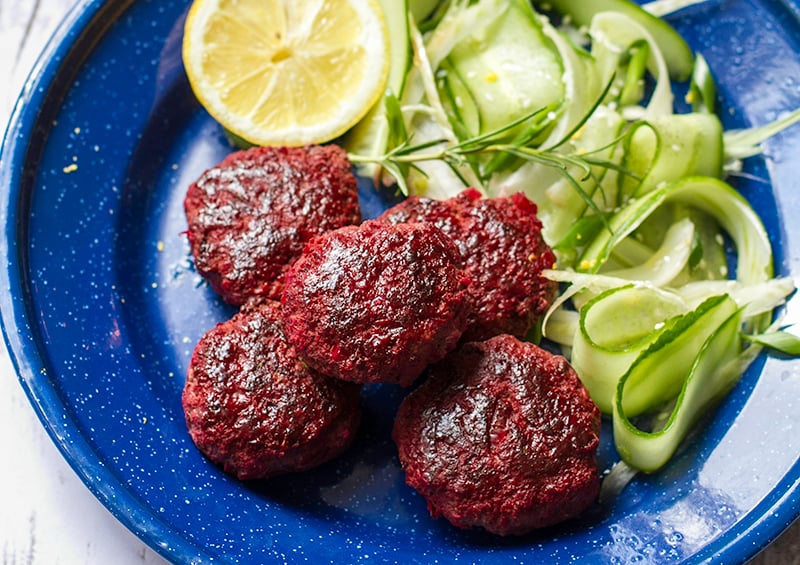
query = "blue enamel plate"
x=101 y=310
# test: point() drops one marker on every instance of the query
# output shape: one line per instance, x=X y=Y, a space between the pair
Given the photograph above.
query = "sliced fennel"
x=667 y=263
x=641 y=344
x=583 y=84
x=583 y=288
x=711 y=195
x=740 y=144
x=664 y=354
x=370 y=137
x=558 y=198
x=613 y=33
x=581 y=119
x=782 y=341
x=664 y=7
x=583 y=13
x=754 y=299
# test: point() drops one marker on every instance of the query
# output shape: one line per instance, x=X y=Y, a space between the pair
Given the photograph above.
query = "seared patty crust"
x=250 y=216
x=502 y=436
x=503 y=252
x=254 y=408
x=377 y=302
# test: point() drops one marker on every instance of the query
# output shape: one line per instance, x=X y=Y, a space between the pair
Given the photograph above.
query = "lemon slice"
x=286 y=72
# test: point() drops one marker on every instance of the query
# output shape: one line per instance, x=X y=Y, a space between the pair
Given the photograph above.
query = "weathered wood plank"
x=47 y=515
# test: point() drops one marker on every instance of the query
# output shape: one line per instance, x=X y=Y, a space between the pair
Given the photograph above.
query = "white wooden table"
x=47 y=516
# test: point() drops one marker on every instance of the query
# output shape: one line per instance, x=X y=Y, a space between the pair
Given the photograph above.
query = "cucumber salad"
x=574 y=104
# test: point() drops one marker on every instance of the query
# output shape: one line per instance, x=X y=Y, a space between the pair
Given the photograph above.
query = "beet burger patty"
x=254 y=408
x=503 y=252
x=250 y=216
x=501 y=436
x=377 y=302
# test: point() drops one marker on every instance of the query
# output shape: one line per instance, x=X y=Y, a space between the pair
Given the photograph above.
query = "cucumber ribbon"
x=580 y=117
x=640 y=345
x=695 y=359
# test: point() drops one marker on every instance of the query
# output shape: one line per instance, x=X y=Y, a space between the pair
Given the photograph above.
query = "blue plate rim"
x=20 y=342
x=760 y=527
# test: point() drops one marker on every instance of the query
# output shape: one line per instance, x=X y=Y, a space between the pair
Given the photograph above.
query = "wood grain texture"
x=47 y=516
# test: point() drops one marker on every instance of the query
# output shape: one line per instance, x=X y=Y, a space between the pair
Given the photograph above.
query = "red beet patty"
x=255 y=409
x=502 y=436
x=377 y=302
x=504 y=254
x=250 y=216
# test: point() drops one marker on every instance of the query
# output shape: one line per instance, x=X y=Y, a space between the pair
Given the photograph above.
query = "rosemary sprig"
x=474 y=160
x=404 y=155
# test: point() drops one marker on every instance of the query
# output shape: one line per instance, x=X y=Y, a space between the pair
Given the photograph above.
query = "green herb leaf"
x=782 y=341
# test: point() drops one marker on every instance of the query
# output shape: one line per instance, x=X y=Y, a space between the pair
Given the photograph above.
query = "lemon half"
x=286 y=72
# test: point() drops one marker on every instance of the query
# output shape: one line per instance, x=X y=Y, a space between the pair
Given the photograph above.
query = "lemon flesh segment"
x=286 y=72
